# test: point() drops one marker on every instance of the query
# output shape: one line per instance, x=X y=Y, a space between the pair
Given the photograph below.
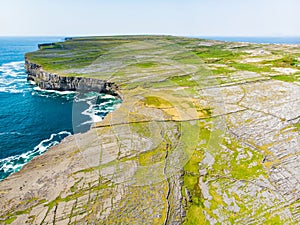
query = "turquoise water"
x=31 y=120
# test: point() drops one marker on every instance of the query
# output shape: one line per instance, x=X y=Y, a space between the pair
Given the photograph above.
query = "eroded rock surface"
x=208 y=133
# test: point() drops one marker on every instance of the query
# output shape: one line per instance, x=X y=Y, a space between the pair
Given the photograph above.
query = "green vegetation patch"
x=154 y=156
x=154 y=101
x=272 y=219
x=217 y=52
x=286 y=61
x=191 y=189
x=141 y=129
x=184 y=81
x=240 y=162
x=232 y=162
x=285 y=78
x=10 y=220
x=57 y=45
x=195 y=216
x=73 y=53
x=145 y=64
x=221 y=70
x=250 y=67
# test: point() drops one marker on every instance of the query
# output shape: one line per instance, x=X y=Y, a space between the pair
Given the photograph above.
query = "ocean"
x=33 y=120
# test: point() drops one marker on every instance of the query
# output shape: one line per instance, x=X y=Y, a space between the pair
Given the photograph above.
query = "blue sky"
x=185 y=17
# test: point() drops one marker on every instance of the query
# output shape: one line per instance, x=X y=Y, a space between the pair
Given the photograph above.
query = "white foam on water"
x=90 y=111
x=53 y=91
x=97 y=111
x=108 y=97
x=12 y=66
x=12 y=77
x=85 y=99
x=15 y=163
x=96 y=118
x=37 y=88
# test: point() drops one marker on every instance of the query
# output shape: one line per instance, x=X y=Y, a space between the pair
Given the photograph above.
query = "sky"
x=174 y=17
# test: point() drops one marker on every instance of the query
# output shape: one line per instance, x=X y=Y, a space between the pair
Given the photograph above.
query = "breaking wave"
x=99 y=105
x=13 y=164
x=13 y=78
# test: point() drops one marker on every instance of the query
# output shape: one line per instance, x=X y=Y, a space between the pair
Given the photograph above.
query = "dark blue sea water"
x=259 y=40
x=31 y=120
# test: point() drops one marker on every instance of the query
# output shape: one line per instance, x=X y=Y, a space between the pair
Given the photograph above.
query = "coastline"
x=15 y=162
x=108 y=173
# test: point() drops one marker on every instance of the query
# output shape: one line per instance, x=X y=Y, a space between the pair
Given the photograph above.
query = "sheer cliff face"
x=197 y=139
x=49 y=81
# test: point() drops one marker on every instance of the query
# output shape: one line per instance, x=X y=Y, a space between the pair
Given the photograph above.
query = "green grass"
x=145 y=64
x=141 y=129
x=250 y=67
x=273 y=219
x=285 y=78
x=286 y=61
x=183 y=81
x=71 y=54
x=59 y=62
x=154 y=156
x=195 y=216
x=158 y=102
x=221 y=70
x=58 y=45
x=238 y=168
x=191 y=180
x=10 y=220
x=217 y=53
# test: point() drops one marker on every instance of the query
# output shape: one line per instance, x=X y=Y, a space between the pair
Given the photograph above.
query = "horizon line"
x=175 y=35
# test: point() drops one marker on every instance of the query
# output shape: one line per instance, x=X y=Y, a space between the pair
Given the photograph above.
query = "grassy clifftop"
x=208 y=132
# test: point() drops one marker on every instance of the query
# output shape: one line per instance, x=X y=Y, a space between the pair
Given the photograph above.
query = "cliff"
x=49 y=81
x=207 y=133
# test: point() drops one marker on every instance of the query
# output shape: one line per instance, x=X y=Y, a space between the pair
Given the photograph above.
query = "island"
x=207 y=133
